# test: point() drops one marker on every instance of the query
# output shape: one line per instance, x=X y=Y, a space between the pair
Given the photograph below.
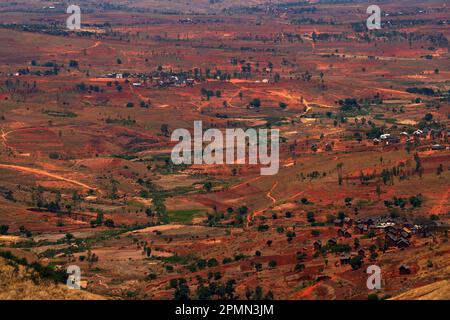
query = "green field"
x=184 y=216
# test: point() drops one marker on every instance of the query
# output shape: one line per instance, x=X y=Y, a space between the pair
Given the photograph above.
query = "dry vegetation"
x=85 y=170
x=21 y=283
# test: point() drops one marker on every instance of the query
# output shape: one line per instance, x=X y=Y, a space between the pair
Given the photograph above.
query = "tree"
x=201 y=264
x=242 y=210
x=290 y=235
x=212 y=263
x=203 y=293
x=283 y=105
x=272 y=264
x=173 y=283
x=339 y=167
x=98 y=221
x=182 y=290
x=227 y=260
x=373 y=256
x=9 y=196
x=416 y=201
x=208 y=186
x=356 y=262
x=4 y=229
x=73 y=64
x=160 y=209
x=300 y=256
x=165 y=129
x=109 y=223
x=258 y=293
x=37 y=197
x=299 y=267
x=304 y=201
x=53 y=207
x=356 y=243
x=229 y=288
x=69 y=237
x=428 y=117
x=418 y=162
x=255 y=103
x=434 y=217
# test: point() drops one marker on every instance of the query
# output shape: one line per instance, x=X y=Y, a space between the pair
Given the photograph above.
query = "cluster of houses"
x=395 y=235
x=157 y=79
x=388 y=138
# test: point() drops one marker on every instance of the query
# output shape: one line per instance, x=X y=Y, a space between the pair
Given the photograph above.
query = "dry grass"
x=434 y=291
x=19 y=283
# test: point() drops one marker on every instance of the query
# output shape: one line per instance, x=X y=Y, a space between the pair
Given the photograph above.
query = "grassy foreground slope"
x=435 y=291
x=22 y=283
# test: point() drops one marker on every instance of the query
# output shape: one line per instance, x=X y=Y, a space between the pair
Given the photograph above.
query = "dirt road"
x=4 y=138
x=245 y=183
x=95 y=45
x=45 y=173
x=269 y=194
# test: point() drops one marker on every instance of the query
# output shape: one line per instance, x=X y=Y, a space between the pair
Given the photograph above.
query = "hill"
x=21 y=282
x=434 y=291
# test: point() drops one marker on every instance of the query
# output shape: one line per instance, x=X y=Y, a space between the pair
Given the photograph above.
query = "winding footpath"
x=45 y=173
